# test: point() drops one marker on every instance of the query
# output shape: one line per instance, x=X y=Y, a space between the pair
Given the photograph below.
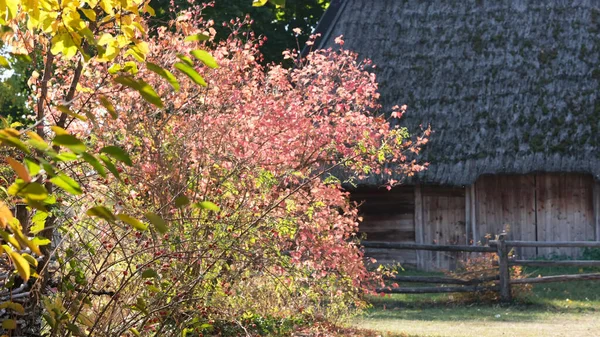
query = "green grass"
x=552 y=309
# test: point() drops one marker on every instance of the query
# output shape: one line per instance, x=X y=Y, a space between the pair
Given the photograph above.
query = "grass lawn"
x=553 y=309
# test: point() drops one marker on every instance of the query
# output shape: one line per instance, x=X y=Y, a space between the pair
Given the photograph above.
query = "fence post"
x=505 y=294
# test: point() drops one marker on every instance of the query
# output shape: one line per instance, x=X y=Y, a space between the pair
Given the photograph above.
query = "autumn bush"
x=186 y=188
x=485 y=266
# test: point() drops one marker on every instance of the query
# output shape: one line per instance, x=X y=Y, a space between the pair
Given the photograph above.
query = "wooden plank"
x=431 y=247
x=578 y=244
x=557 y=263
x=441 y=280
x=565 y=211
x=557 y=278
x=434 y=290
x=419 y=225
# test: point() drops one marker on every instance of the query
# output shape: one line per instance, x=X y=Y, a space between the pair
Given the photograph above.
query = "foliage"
x=178 y=183
x=14 y=92
x=270 y=20
x=483 y=266
x=589 y=253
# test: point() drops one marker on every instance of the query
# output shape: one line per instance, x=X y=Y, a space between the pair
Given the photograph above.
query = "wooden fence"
x=502 y=281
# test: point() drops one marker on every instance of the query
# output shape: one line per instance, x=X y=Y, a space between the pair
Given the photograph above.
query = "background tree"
x=15 y=92
x=272 y=21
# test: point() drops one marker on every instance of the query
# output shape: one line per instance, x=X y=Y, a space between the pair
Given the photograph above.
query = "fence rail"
x=422 y=246
x=501 y=282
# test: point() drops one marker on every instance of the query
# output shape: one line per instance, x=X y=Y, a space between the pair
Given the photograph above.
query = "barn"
x=510 y=90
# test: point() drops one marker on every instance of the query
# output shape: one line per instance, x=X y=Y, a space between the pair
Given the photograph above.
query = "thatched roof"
x=508 y=86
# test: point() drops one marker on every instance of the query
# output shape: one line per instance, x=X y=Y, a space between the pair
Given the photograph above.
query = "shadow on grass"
x=546 y=300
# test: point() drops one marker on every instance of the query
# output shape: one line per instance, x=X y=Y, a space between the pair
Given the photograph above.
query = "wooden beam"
x=473 y=208
x=441 y=280
x=576 y=244
x=557 y=278
x=421 y=246
x=561 y=263
x=419 y=227
x=505 y=293
x=597 y=208
x=468 y=236
x=433 y=290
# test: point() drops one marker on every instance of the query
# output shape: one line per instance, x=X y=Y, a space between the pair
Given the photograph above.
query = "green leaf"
x=167 y=75
x=70 y=142
x=181 y=201
x=130 y=67
x=21 y=57
x=208 y=205
x=32 y=166
x=135 y=332
x=40 y=241
x=186 y=59
x=73 y=328
x=158 y=222
x=94 y=163
x=110 y=166
x=115 y=68
x=197 y=37
x=67 y=183
x=64 y=156
x=117 y=153
x=141 y=305
x=14 y=306
x=15 y=142
x=64 y=109
x=101 y=212
x=142 y=87
x=35 y=191
x=32 y=261
x=135 y=223
x=278 y=3
x=4 y=62
x=108 y=106
x=38 y=221
x=149 y=273
x=205 y=58
x=191 y=73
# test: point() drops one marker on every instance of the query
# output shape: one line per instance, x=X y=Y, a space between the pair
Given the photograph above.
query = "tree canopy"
x=274 y=22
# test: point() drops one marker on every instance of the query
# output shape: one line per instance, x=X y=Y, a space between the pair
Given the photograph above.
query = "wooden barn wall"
x=443 y=223
x=388 y=216
x=565 y=210
x=506 y=202
x=542 y=207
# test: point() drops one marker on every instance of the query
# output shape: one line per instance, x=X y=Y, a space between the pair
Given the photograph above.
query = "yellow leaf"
x=107 y=6
x=89 y=13
x=143 y=47
x=5 y=215
x=25 y=242
x=19 y=169
x=21 y=265
x=259 y=3
x=58 y=130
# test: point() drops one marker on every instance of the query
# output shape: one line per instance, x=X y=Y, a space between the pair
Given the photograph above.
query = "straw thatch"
x=508 y=86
